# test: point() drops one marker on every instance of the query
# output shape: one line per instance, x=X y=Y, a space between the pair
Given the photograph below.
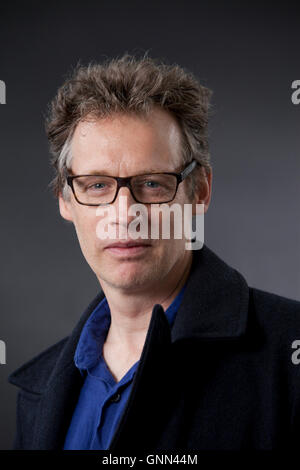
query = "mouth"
x=131 y=248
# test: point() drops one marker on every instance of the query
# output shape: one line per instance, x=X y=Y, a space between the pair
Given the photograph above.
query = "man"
x=176 y=351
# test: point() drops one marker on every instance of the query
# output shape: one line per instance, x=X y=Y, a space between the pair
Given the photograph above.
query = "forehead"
x=126 y=143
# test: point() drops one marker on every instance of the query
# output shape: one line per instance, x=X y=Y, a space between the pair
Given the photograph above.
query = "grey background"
x=246 y=52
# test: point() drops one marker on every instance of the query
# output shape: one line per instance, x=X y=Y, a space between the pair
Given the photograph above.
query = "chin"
x=129 y=277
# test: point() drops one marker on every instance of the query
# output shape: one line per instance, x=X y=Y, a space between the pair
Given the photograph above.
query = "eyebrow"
x=105 y=173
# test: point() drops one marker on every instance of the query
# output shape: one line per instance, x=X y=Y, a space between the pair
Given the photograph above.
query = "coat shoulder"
x=268 y=301
x=277 y=314
x=33 y=375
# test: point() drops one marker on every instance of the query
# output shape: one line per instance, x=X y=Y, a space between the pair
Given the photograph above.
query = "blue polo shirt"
x=101 y=400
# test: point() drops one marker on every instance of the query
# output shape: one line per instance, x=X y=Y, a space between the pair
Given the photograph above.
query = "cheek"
x=85 y=225
x=170 y=250
x=169 y=224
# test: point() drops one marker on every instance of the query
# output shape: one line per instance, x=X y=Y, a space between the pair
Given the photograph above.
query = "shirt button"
x=115 y=398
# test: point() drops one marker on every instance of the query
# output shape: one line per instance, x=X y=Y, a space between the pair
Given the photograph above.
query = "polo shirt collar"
x=89 y=348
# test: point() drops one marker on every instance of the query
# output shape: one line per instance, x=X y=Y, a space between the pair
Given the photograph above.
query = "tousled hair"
x=128 y=85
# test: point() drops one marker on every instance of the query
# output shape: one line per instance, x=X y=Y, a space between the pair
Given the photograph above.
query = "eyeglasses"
x=152 y=188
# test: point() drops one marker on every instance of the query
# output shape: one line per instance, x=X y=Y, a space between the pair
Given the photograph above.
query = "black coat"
x=222 y=378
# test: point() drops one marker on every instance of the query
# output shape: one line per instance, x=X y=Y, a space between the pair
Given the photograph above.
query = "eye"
x=152 y=184
x=97 y=186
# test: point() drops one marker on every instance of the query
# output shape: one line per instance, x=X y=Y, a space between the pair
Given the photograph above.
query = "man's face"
x=126 y=145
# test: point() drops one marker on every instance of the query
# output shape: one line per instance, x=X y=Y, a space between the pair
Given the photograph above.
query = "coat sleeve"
x=27 y=405
x=17 y=438
x=295 y=417
x=31 y=379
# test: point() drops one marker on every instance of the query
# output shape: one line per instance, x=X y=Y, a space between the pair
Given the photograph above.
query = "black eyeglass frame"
x=126 y=182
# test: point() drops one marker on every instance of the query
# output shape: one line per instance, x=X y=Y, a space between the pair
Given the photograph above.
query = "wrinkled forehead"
x=127 y=143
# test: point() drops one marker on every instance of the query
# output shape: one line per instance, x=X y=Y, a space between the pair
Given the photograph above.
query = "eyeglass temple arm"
x=188 y=170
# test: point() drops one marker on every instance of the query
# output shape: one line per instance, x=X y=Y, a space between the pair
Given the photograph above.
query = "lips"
x=129 y=244
x=129 y=249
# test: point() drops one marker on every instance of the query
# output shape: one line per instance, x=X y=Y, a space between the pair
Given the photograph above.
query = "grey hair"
x=64 y=163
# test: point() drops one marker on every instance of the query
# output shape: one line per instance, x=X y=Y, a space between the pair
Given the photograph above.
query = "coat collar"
x=215 y=302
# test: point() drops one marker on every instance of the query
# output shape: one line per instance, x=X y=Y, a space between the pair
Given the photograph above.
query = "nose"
x=122 y=203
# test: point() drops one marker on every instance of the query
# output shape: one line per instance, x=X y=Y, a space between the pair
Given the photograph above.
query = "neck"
x=131 y=314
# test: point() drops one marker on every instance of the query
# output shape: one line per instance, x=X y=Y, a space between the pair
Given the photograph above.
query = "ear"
x=65 y=208
x=203 y=196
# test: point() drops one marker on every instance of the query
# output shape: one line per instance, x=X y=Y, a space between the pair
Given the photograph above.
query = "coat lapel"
x=146 y=393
